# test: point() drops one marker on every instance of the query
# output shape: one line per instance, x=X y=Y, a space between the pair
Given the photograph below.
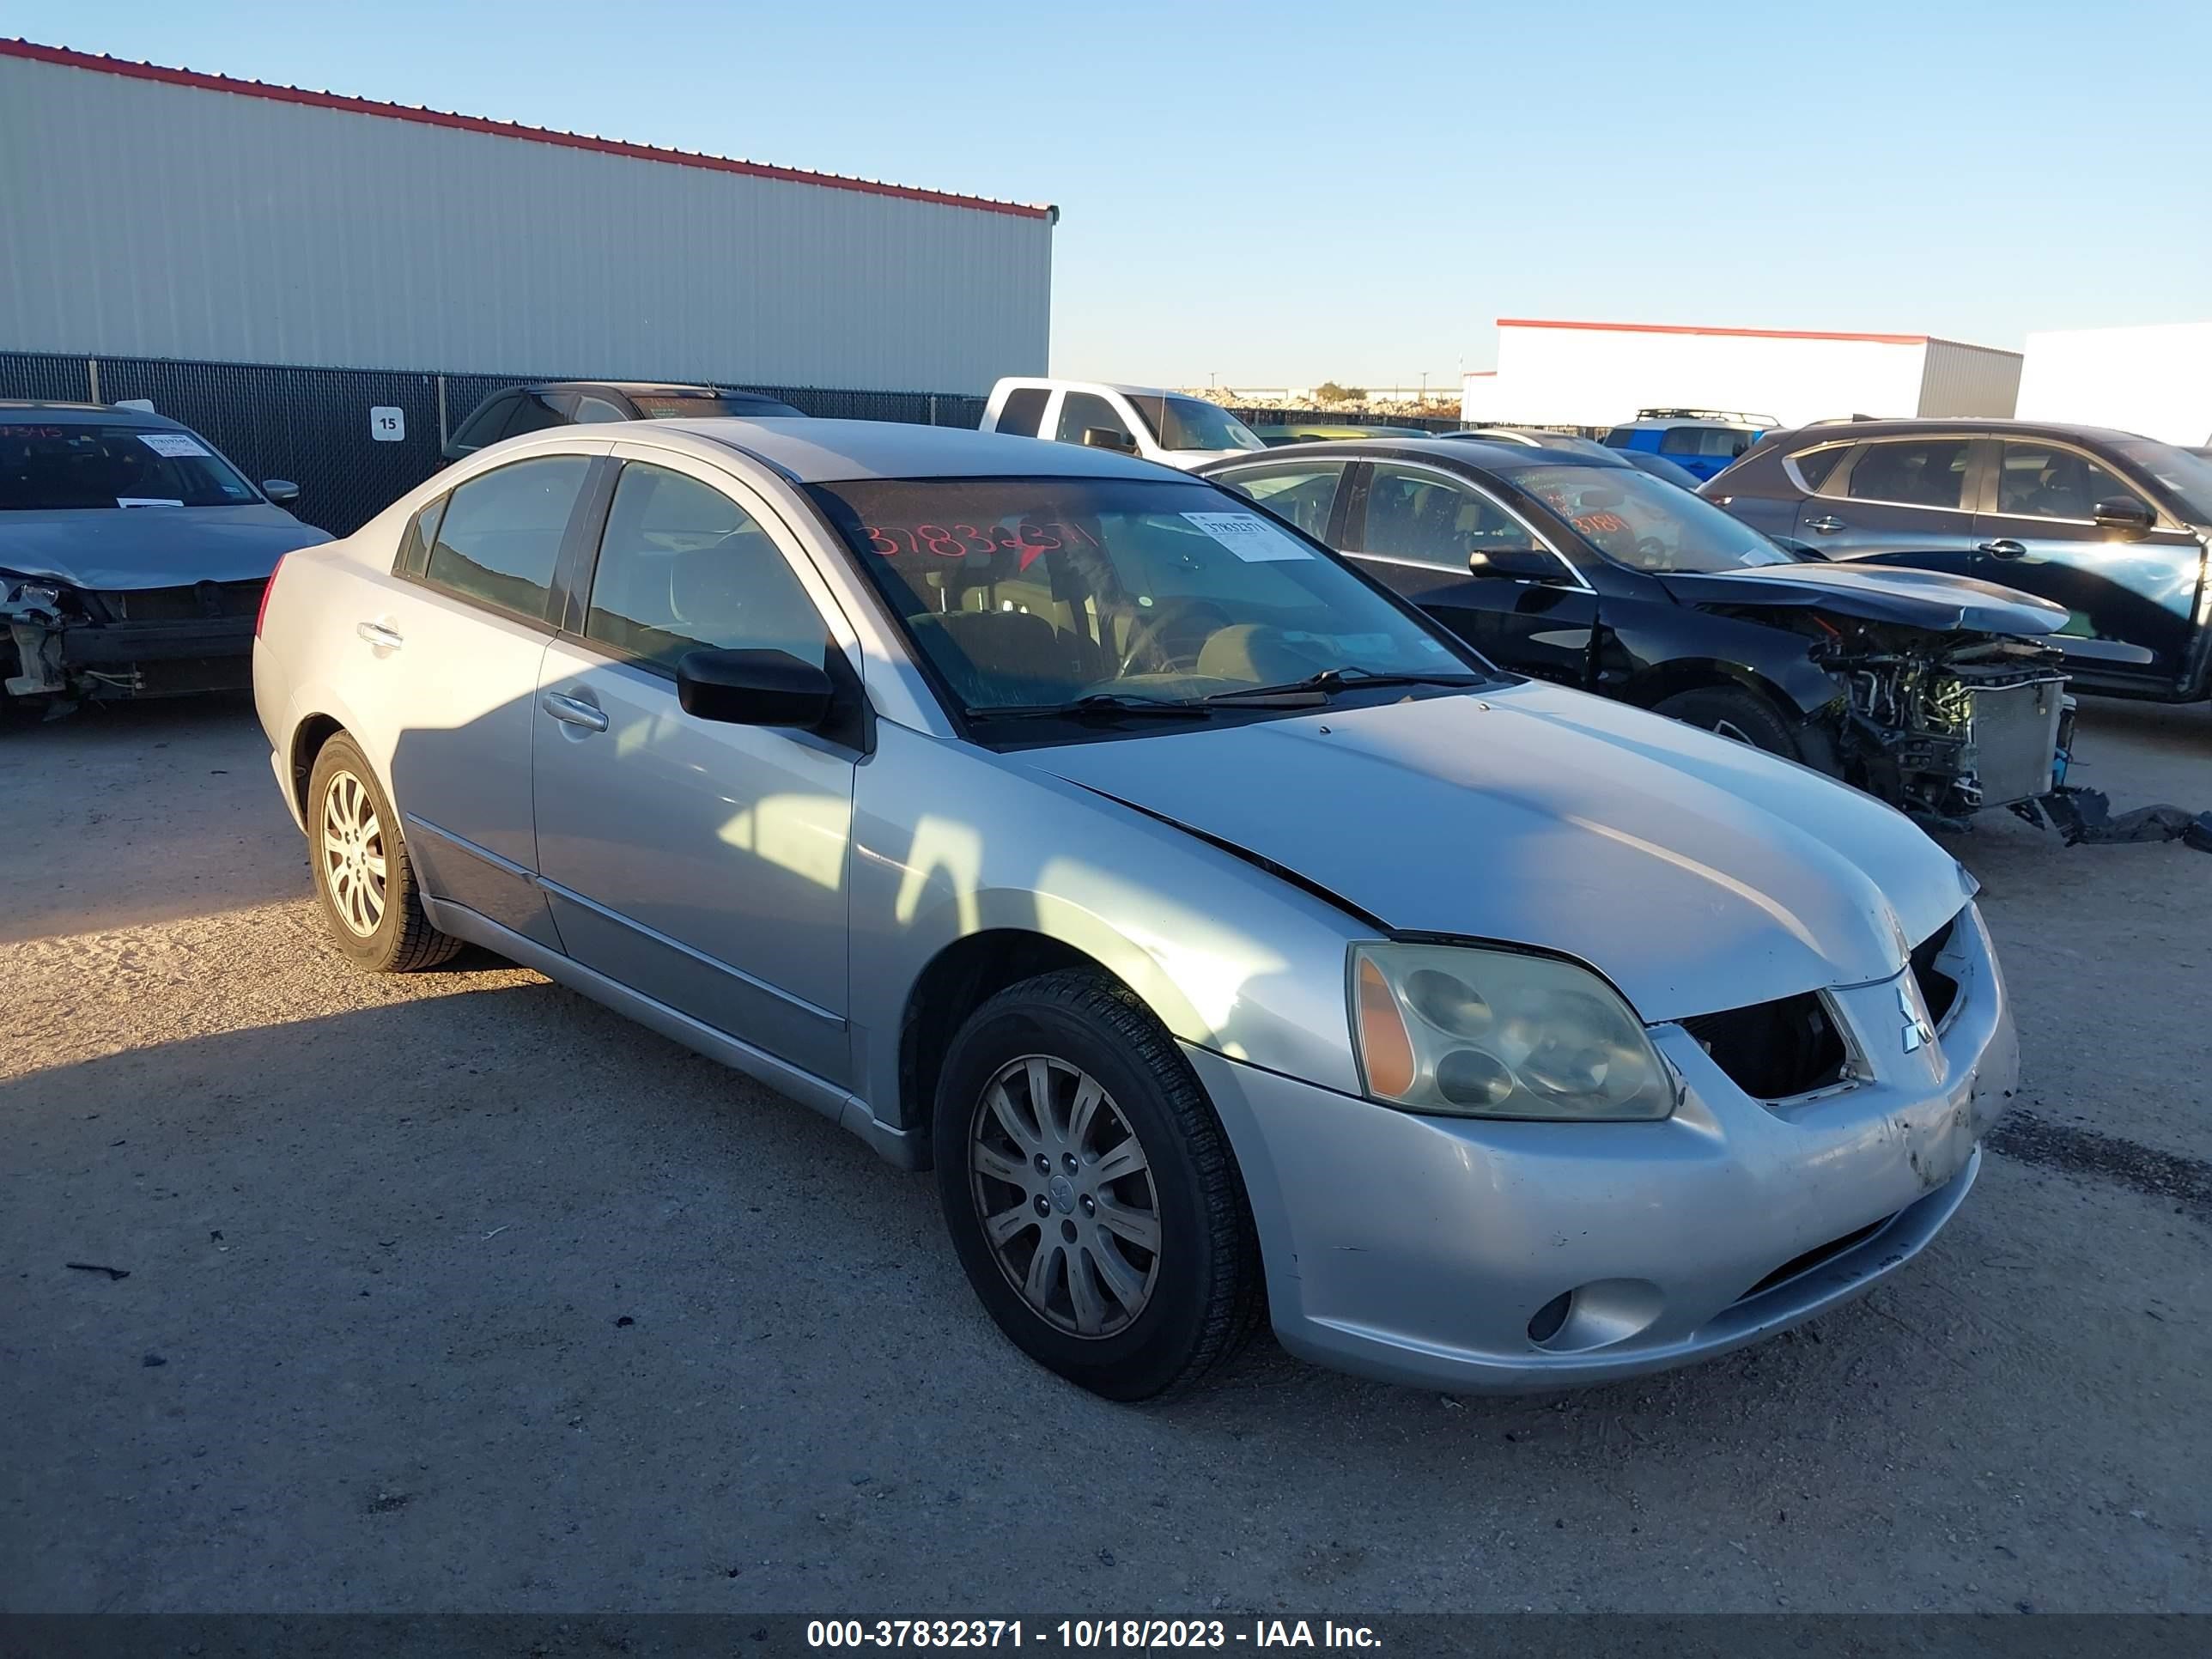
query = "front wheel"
x=1090 y=1191
x=364 y=879
x=1731 y=712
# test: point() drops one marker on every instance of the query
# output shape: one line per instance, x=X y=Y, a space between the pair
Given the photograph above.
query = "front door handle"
x=2005 y=548
x=383 y=636
x=574 y=711
x=1827 y=524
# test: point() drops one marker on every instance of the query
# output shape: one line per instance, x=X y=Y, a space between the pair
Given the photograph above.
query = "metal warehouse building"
x=1594 y=375
x=152 y=215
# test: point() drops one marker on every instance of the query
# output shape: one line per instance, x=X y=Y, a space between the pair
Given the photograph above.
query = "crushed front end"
x=1945 y=724
x=63 y=643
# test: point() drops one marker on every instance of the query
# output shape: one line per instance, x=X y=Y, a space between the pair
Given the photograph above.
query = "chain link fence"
x=1258 y=417
x=311 y=426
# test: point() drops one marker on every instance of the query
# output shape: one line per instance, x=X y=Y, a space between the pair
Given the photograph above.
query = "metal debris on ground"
x=2085 y=817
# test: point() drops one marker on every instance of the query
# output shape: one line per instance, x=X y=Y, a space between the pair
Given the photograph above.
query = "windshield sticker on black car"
x=172 y=444
x=147 y=500
x=1251 y=538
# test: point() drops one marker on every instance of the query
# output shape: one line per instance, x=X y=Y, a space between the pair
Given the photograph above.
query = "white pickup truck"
x=1160 y=426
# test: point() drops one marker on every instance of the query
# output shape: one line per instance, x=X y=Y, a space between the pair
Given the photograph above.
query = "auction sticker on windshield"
x=1249 y=537
x=172 y=444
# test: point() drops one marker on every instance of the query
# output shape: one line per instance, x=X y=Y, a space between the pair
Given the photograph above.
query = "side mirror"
x=2125 y=514
x=282 y=492
x=1105 y=437
x=1520 y=564
x=754 y=688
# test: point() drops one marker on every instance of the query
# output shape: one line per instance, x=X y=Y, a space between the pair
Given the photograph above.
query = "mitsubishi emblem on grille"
x=1916 y=1029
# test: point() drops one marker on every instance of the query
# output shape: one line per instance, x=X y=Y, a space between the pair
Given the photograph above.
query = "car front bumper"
x=1420 y=1250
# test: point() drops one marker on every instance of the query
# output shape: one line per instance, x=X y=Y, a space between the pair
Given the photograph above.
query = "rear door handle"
x=574 y=711
x=1825 y=523
x=383 y=636
x=2004 y=548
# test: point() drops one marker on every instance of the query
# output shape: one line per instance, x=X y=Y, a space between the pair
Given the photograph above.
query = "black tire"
x=1735 y=712
x=1205 y=1294
x=401 y=939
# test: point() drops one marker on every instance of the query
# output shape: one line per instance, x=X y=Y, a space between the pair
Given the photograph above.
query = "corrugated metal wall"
x=1956 y=378
x=158 y=221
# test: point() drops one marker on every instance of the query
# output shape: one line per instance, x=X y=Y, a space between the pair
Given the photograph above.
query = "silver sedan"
x=1231 y=942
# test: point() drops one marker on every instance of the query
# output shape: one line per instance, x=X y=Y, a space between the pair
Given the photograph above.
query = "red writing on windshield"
x=1027 y=540
x=1597 y=524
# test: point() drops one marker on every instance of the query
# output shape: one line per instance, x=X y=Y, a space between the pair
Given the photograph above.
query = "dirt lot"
x=454 y=1292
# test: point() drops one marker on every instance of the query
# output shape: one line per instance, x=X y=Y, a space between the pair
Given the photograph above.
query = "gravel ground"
x=455 y=1293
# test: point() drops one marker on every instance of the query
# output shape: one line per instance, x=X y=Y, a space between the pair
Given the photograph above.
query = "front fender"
x=950 y=841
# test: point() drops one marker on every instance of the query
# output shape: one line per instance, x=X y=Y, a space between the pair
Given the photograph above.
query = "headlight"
x=1464 y=1032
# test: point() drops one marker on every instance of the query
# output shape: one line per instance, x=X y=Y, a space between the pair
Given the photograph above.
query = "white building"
x=1592 y=374
x=163 y=213
x=2155 y=380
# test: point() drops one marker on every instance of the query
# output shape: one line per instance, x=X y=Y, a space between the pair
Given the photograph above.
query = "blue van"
x=1699 y=440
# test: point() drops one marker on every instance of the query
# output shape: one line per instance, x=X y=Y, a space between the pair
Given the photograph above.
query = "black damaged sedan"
x=132 y=557
x=1940 y=693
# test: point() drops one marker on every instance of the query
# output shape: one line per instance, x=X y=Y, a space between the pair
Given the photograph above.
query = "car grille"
x=1772 y=1050
x=2012 y=736
x=1937 y=989
x=203 y=601
x=1813 y=1257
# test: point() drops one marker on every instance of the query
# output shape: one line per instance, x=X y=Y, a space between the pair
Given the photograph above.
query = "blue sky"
x=1280 y=193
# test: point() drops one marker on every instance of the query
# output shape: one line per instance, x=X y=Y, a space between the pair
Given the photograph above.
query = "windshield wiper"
x=1097 y=706
x=1319 y=688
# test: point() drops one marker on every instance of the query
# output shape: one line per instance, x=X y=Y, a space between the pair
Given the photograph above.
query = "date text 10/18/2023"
x=1085 y=1634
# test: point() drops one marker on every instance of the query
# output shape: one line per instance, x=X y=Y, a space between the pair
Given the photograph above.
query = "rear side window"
x=501 y=535
x=1081 y=411
x=489 y=424
x=683 y=566
x=1814 y=465
x=532 y=413
x=1718 y=441
x=1306 y=495
x=1911 y=473
x=1618 y=439
x=421 y=535
x=1022 y=411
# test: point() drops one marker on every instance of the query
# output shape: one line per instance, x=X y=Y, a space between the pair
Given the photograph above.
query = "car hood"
x=1696 y=873
x=104 y=548
x=1889 y=593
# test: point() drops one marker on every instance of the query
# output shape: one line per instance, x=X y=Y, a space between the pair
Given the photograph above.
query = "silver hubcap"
x=1066 y=1196
x=352 y=842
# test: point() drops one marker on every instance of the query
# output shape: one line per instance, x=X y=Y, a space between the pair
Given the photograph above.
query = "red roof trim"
x=181 y=78
x=1730 y=333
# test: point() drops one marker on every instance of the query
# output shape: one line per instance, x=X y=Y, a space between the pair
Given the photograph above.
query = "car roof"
x=1845 y=431
x=82 y=415
x=1461 y=451
x=828 y=451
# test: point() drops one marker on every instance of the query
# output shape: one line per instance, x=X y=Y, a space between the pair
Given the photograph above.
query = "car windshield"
x=70 y=465
x=1192 y=424
x=1029 y=592
x=1643 y=522
x=702 y=405
x=2186 y=473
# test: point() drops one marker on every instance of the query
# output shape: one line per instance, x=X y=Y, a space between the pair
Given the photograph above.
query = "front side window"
x=1192 y=424
x=2047 y=481
x=1079 y=412
x=1022 y=592
x=501 y=535
x=1429 y=520
x=58 y=467
x=1306 y=495
x=682 y=567
x=1023 y=410
x=1644 y=522
x=1911 y=473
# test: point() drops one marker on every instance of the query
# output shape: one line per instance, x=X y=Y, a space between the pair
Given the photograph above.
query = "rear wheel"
x=1090 y=1191
x=1731 y=712
x=363 y=878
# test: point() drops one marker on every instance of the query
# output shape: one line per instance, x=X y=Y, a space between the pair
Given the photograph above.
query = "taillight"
x=261 y=610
